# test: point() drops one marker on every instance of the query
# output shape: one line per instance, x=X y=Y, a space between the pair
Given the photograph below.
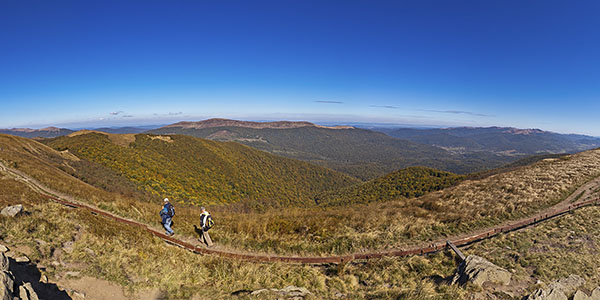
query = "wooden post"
x=453 y=247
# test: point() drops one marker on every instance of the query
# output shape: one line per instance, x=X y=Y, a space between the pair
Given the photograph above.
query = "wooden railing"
x=430 y=248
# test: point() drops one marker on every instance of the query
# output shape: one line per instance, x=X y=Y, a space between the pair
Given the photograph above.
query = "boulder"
x=12 y=211
x=559 y=289
x=478 y=270
x=545 y=294
x=78 y=295
x=26 y=292
x=291 y=291
x=579 y=295
x=294 y=291
x=72 y=274
x=6 y=286
x=3 y=262
x=22 y=259
x=567 y=285
x=3 y=248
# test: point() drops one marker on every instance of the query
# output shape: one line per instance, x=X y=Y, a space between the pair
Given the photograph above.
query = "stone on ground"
x=579 y=295
x=291 y=291
x=3 y=262
x=559 y=289
x=478 y=270
x=26 y=292
x=22 y=259
x=596 y=293
x=6 y=286
x=12 y=211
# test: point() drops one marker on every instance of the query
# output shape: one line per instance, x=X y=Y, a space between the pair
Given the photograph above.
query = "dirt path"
x=580 y=198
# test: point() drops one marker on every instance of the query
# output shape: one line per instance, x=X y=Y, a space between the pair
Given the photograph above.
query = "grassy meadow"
x=316 y=230
x=135 y=260
x=101 y=248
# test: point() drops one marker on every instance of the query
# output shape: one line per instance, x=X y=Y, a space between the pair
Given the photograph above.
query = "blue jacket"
x=164 y=212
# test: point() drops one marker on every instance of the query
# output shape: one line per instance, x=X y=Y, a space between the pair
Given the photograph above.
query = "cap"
x=166 y=199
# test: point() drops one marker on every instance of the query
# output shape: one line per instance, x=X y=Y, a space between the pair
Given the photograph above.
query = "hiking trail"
x=581 y=197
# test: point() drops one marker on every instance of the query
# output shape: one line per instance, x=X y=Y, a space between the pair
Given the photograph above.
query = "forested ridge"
x=361 y=153
x=406 y=183
x=194 y=170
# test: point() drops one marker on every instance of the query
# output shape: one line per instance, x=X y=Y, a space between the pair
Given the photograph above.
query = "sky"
x=525 y=64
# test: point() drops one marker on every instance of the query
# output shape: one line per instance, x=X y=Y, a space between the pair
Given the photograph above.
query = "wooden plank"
x=453 y=247
x=339 y=259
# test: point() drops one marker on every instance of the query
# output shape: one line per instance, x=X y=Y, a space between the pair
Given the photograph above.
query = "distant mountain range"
x=362 y=153
x=52 y=132
x=368 y=153
x=501 y=140
x=48 y=132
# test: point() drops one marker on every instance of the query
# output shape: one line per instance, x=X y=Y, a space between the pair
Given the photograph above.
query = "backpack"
x=209 y=223
x=171 y=210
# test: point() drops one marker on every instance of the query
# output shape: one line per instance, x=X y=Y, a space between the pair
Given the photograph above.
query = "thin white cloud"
x=386 y=106
x=329 y=102
x=458 y=112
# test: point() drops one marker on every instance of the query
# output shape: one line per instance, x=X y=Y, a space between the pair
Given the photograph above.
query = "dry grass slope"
x=134 y=259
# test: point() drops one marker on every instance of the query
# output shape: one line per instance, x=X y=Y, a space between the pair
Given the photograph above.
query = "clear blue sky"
x=527 y=64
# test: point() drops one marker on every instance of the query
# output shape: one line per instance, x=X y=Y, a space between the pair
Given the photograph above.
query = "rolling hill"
x=502 y=140
x=406 y=183
x=97 y=247
x=364 y=154
x=194 y=170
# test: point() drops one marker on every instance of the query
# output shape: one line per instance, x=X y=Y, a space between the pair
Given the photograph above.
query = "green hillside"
x=406 y=183
x=361 y=153
x=194 y=170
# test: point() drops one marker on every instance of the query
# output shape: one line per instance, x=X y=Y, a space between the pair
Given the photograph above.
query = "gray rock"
x=258 y=292
x=78 y=295
x=90 y=252
x=596 y=294
x=294 y=291
x=3 y=262
x=579 y=295
x=3 y=248
x=567 y=285
x=290 y=292
x=73 y=274
x=478 y=270
x=6 y=286
x=12 y=211
x=559 y=289
x=44 y=279
x=26 y=292
x=541 y=294
x=22 y=259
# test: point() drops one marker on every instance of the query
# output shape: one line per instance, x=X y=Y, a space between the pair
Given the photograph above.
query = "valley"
x=86 y=168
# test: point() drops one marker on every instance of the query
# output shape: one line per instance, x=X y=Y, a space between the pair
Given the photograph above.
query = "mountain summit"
x=218 y=122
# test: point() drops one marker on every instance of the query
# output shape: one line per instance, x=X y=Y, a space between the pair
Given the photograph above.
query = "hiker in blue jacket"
x=167 y=213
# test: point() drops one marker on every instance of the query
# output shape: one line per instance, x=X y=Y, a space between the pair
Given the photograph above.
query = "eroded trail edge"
x=559 y=209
